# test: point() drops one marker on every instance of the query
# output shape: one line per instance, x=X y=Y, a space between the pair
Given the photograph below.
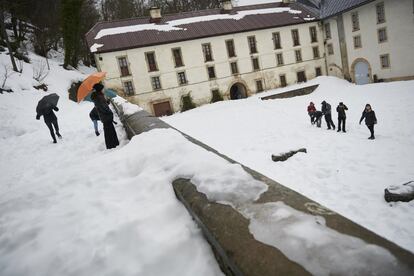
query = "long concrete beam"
x=237 y=250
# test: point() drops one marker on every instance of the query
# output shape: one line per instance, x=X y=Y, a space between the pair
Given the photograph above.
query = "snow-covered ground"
x=75 y=208
x=346 y=172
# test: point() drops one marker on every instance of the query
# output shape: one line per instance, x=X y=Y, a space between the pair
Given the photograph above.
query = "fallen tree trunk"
x=285 y=156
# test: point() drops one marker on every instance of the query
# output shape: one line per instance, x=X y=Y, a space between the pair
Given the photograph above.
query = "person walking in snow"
x=51 y=122
x=105 y=115
x=311 y=111
x=326 y=110
x=95 y=118
x=341 y=116
x=370 y=119
x=317 y=116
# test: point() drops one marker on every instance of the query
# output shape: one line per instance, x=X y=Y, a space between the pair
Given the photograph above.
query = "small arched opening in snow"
x=238 y=91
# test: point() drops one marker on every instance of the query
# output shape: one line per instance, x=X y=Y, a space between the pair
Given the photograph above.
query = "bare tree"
x=40 y=70
x=7 y=72
x=6 y=37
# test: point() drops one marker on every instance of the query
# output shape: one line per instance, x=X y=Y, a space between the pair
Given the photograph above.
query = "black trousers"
x=329 y=122
x=55 y=125
x=111 y=139
x=371 y=129
x=341 y=121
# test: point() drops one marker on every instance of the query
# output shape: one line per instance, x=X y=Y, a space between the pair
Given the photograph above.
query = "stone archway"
x=238 y=91
x=361 y=71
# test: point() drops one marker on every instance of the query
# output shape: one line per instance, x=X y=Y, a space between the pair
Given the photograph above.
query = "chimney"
x=226 y=6
x=155 y=15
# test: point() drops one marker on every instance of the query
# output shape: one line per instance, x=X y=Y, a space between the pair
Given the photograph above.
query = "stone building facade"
x=161 y=61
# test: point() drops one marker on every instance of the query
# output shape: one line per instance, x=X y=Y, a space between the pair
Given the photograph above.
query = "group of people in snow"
x=316 y=116
x=100 y=112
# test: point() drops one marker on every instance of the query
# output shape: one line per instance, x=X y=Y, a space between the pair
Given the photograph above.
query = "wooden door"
x=162 y=109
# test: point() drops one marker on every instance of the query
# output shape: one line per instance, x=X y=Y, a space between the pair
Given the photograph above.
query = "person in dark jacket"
x=317 y=118
x=51 y=121
x=341 y=116
x=370 y=119
x=311 y=111
x=95 y=118
x=326 y=110
x=105 y=115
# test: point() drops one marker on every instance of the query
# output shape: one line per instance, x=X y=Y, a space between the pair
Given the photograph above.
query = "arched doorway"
x=362 y=71
x=238 y=91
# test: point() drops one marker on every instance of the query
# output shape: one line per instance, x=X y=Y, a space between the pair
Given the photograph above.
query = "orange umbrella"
x=86 y=87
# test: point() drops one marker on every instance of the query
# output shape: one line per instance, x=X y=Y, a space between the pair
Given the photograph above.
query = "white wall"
x=333 y=62
x=198 y=84
x=400 y=45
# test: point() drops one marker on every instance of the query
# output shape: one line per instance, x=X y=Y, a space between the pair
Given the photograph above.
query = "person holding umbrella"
x=45 y=108
x=106 y=116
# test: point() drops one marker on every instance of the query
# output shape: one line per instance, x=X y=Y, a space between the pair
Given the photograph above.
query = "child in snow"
x=317 y=115
x=341 y=116
x=370 y=119
x=95 y=118
x=51 y=119
x=311 y=111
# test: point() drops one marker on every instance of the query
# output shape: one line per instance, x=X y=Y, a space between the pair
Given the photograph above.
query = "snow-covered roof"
x=140 y=32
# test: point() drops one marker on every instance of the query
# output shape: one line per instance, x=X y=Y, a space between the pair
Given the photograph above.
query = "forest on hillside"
x=62 y=24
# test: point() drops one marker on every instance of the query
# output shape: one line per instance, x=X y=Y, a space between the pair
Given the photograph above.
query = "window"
x=234 y=68
x=282 y=80
x=182 y=79
x=123 y=66
x=318 y=71
x=152 y=64
x=301 y=76
x=295 y=37
x=328 y=31
x=128 y=88
x=298 y=55
x=380 y=13
x=252 y=44
x=178 y=60
x=279 y=59
x=255 y=64
x=357 y=42
x=355 y=21
x=316 y=52
x=230 y=48
x=385 y=61
x=156 y=83
x=382 y=35
x=330 y=49
x=211 y=72
x=276 y=41
x=259 y=86
x=313 y=34
x=208 y=55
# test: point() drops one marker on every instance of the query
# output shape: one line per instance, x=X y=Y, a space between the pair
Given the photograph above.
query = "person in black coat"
x=317 y=118
x=105 y=115
x=341 y=116
x=95 y=118
x=370 y=119
x=326 y=110
x=51 y=121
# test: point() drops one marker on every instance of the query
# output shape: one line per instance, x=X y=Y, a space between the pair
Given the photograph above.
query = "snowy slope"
x=75 y=208
x=344 y=171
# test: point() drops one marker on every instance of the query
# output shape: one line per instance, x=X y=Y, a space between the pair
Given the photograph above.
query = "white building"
x=368 y=41
x=160 y=61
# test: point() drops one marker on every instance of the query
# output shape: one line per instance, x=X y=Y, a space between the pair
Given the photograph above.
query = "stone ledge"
x=227 y=231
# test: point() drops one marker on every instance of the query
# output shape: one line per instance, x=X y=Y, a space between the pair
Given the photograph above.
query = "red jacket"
x=311 y=108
